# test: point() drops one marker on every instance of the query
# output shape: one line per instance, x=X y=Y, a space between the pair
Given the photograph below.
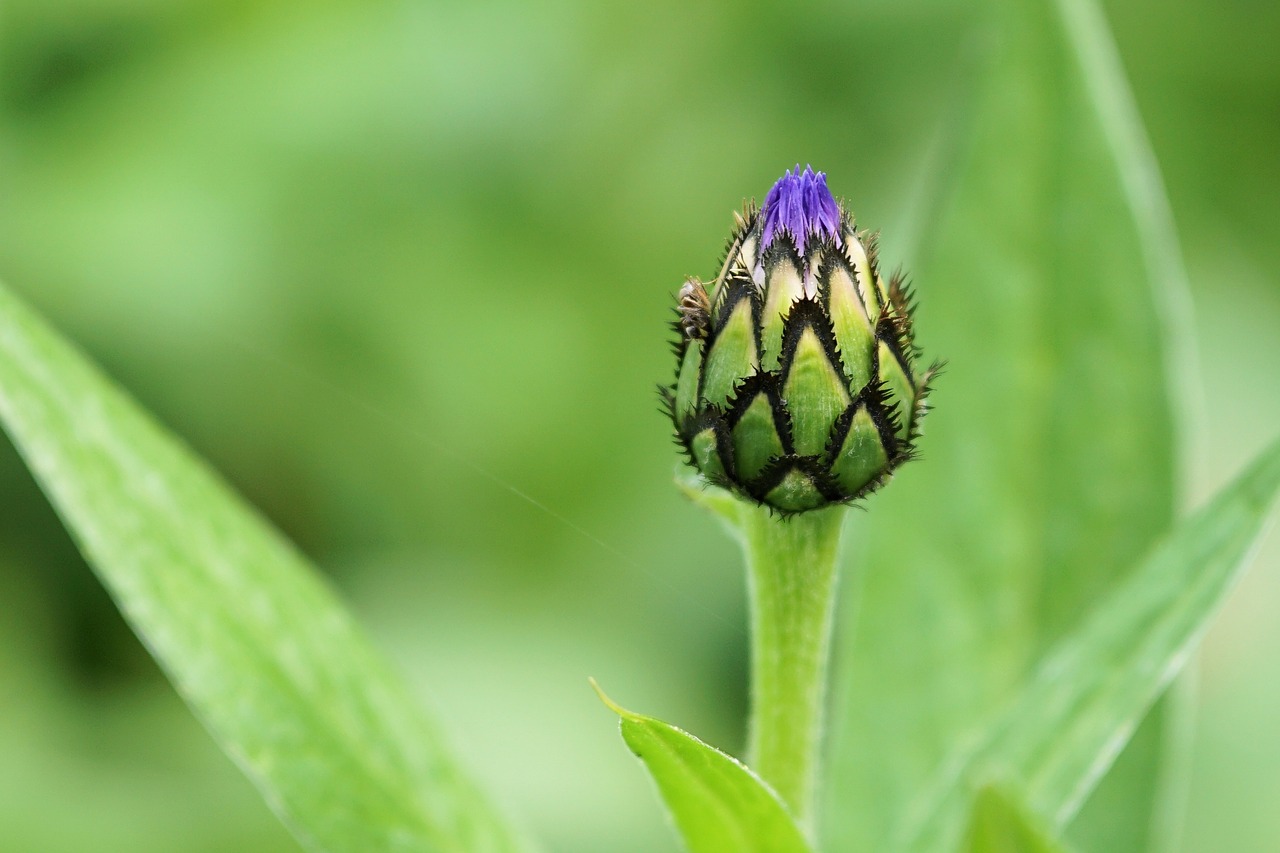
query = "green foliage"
x=999 y=824
x=1056 y=418
x=349 y=254
x=272 y=664
x=252 y=639
x=1062 y=731
x=718 y=804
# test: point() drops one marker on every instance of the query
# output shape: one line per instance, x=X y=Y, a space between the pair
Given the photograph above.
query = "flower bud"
x=796 y=384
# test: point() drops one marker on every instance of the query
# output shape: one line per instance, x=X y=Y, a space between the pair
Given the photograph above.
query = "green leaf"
x=718 y=804
x=253 y=640
x=1049 y=454
x=999 y=824
x=1084 y=700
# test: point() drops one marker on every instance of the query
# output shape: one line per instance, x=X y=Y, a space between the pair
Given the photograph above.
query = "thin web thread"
x=390 y=421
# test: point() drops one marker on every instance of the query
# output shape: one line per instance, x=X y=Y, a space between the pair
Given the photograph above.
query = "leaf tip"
x=609 y=703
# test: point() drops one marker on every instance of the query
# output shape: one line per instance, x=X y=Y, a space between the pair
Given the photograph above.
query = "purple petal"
x=801 y=206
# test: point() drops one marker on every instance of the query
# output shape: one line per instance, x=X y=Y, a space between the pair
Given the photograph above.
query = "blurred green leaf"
x=1050 y=455
x=718 y=804
x=999 y=824
x=1087 y=696
x=260 y=649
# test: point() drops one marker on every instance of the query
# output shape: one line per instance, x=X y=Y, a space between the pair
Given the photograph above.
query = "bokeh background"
x=401 y=271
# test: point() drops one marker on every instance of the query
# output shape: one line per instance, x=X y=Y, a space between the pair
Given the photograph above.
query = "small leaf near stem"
x=791 y=577
x=1000 y=823
x=717 y=804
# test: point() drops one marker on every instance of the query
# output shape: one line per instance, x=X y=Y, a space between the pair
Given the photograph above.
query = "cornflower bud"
x=796 y=384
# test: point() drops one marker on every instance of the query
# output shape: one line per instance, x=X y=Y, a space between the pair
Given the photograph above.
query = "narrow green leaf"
x=717 y=803
x=1138 y=804
x=1100 y=67
x=256 y=644
x=1050 y=449
x=1000 y=824
x=1065 y=728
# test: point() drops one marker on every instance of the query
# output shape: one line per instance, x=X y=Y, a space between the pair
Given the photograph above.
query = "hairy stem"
x=791 y=572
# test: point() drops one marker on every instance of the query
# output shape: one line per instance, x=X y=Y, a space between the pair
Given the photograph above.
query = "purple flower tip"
x=801 y=206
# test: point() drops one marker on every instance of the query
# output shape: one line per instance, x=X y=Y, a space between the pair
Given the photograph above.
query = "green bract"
x=797 y=384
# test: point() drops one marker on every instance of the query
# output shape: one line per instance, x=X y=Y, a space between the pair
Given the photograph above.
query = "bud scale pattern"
x=797 y=383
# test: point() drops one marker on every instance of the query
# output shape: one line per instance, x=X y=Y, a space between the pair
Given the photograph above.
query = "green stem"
x=791 y=571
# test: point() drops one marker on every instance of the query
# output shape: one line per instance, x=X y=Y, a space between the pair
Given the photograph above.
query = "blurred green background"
x=402 y=271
